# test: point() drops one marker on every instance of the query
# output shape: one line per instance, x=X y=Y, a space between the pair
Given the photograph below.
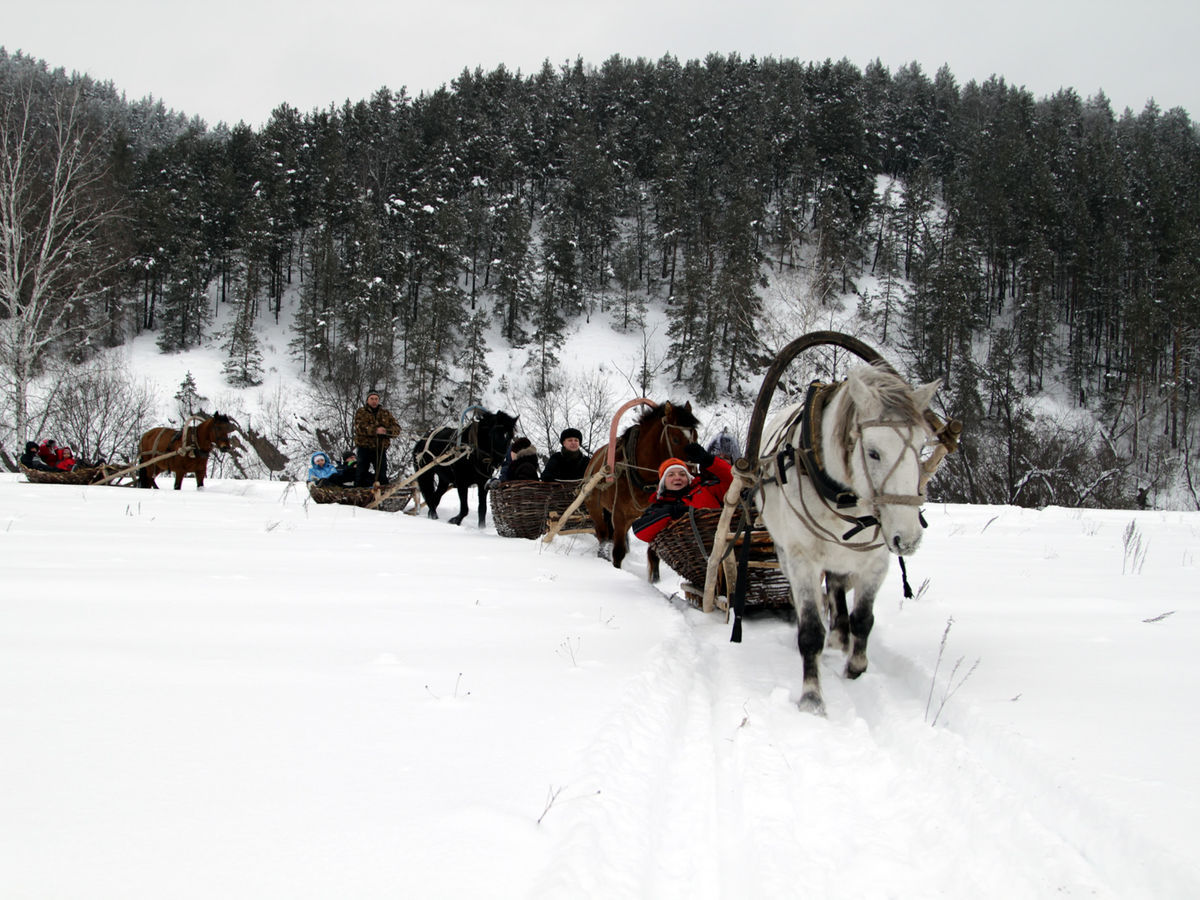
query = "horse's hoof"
x=811 y=702
x=457 y=520
x=855 y=666
x=604 y=552
x=433 y=514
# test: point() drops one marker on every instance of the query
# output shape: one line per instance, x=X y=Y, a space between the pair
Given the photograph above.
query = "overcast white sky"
x=236 y=60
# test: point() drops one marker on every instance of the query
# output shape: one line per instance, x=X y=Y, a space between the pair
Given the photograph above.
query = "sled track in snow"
x=710 y=734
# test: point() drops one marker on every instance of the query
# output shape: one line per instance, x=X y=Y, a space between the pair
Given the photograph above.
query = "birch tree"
x=53 y=212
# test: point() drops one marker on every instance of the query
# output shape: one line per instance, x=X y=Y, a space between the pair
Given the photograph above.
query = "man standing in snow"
x=374 y=427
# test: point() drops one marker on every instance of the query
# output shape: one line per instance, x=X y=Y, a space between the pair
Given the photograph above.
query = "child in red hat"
x=678 y=489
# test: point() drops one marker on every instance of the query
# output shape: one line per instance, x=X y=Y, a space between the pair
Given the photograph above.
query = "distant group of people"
x=678 y=488
x=366 y=465
x=49 y=456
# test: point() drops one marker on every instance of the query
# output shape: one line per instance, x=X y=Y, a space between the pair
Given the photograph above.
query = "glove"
x=697 y=454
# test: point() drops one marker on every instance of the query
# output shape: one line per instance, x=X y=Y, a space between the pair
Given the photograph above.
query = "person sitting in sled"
x=570 y=463
x=58 y=459
x=320 y=468
x=678 y=489
x=345 y=472
x=522 y=464
x=30 y=459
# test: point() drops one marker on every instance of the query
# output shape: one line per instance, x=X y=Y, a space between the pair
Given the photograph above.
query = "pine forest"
x=1018 y=248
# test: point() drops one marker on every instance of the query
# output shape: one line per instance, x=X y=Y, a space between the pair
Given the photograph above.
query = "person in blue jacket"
x=320 y=467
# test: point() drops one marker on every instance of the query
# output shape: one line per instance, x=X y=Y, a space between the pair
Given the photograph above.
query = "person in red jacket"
x=678 y=489
x=58 y=458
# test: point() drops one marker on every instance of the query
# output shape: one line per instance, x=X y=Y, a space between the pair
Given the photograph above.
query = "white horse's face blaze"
x=883 y=456
x=890 y=464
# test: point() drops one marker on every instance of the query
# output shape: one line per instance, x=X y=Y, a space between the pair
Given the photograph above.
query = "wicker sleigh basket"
x=522 y=509
x=686 y=543
x=360 y=496
x=90 y=475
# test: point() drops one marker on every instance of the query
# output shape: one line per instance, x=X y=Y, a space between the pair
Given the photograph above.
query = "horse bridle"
x=834 y=495
x=629 y=446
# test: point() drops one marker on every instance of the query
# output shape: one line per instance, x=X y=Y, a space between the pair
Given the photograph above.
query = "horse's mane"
x=894 y=393
x=680 y=413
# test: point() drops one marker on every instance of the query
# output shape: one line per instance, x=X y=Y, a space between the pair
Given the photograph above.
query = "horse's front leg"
x=807 y=597
x=179 y=479
x=862 y=617
x=837 y=611
x=620 y=538
x=462 y=505
x=652 y=565
x=200 y=473
x=483 y=492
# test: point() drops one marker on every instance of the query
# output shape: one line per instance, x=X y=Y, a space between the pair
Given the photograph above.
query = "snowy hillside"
x=236 y=693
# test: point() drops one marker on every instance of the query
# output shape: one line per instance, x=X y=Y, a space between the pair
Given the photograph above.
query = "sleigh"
x=530 y=509
x=395 y=500
x=90 y=475
x=688 y=543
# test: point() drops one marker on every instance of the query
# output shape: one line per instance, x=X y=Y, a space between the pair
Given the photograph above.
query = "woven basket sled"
x=522 y=509
x=76 y=476
x=686 y=543
x=360 y=496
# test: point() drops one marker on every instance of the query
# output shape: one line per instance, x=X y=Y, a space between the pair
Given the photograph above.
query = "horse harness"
x=836 y=496
x=188 y=445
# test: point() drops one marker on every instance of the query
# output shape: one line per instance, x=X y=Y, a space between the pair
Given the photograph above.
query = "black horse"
x=487 y=441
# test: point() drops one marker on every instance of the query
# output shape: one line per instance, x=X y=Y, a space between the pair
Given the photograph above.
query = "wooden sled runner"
x=365 y=497
x=529 y=509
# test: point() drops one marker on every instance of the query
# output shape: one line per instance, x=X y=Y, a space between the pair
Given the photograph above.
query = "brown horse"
x=191 y=447
x=662 y=431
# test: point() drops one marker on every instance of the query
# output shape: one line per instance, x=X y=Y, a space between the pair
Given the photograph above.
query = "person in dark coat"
x=570 y=463
x=523 y=461
x=678 y=489
x=346 y=470
x=374 y=428
x=30 y=459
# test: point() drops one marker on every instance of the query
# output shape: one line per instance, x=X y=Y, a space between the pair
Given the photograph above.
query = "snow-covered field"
x=237 y=693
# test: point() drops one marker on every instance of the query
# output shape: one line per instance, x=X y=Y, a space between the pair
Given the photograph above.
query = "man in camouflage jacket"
x=374 y=427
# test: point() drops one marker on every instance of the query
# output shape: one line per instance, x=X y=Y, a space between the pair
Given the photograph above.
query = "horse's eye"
x=873 y=454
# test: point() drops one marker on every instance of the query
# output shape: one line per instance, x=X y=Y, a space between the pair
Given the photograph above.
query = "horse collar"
x=631 y=467
x=809 y=451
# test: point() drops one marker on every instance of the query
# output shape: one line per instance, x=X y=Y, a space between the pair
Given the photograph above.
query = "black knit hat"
x=570 y=433
x=374 y=391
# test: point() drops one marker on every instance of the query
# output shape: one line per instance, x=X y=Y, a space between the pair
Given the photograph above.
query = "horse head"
x=878 y=438
x=665 y=431
x=222 y=427
x=495 y=434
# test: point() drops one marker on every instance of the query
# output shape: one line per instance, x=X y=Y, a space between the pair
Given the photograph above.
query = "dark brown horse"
x=190 y=446
x=662 y=431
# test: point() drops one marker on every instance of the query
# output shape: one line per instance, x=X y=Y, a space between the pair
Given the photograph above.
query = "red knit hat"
x=667 y=463
x=671 y=464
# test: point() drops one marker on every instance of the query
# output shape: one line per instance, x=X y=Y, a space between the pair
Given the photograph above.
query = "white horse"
x=842 y=486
